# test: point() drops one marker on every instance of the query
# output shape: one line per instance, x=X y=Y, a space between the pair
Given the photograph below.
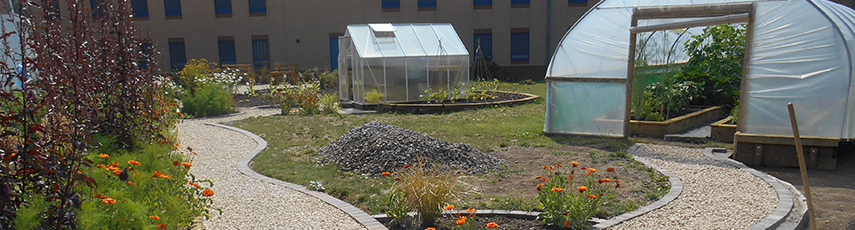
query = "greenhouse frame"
x=797 y=51
x=382 y=63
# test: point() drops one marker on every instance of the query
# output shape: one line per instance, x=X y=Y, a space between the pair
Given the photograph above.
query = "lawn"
x=293 y=142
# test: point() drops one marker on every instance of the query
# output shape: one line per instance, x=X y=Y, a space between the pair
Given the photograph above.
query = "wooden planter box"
x=722 y=130
x=780 y=150
x=410 y=107
x=658 y=129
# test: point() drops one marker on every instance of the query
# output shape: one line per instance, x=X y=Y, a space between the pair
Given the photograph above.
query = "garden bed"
x=780 y=150
x=658 y=129
x=723 y=130
x=501 y=98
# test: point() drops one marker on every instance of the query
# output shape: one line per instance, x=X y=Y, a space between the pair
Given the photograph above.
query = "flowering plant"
x=569 y=198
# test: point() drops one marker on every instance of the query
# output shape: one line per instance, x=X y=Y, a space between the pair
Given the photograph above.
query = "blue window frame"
x=257 y=6
x=145 y=54
x=427 y=3
x=577 y=2
x=222 y=6
x=485 y=40
x=391 y=4
x=333 y=53
x=520 y=2
x=482 y=2
x=227 y=51
x=260 y=52
x=53 y=11
x=519 y=46
x=172 y=7
x=177 y=57
x=140 y=8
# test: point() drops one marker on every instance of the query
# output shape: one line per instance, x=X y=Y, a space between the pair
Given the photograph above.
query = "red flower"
x=408 y=165
x=176 y=163
x=558 y=165
x=570 y=177
x=154 y=217
x=610 y=169
x=592 y=196
x=161 y=226
x=544 y=180
x=567 y=223
x=133 y=162
x=538 y=186
x=583 y=168
x=207 y=192
x=187 y=164
x=538 y=177
x=194 y=185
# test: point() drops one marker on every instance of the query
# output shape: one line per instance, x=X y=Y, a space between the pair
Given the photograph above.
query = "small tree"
x=716 y=62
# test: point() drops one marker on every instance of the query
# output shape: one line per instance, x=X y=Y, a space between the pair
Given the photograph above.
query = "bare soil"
x=833 y=192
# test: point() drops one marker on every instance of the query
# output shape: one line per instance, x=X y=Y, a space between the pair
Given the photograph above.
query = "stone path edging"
x=785 y=197
x=673 y=193
x=243 y=166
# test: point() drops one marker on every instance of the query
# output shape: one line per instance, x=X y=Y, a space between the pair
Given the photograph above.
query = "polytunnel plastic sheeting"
x=805 y=63
x=800 y=53
x=603 y=113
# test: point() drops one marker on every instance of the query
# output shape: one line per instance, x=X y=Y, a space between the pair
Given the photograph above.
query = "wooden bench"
x=280 y=70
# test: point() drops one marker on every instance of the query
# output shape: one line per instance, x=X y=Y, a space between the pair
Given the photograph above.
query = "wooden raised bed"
x=658 y=129
x=722 y=130
x=780 y=150
x=419 y=108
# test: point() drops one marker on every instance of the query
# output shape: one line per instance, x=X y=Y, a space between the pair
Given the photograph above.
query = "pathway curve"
x=249 y=203
x=715 y=195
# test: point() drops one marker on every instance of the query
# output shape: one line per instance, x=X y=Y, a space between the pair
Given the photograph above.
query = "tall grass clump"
x=425 y=189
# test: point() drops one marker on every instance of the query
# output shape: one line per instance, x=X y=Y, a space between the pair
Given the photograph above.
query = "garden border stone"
x=243 y=166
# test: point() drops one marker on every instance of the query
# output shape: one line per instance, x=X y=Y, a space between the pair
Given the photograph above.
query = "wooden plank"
x=785 y=139
x=586 y=79
x=630 y=75
x=749 y=40
x=727 y=19
x=692 y=11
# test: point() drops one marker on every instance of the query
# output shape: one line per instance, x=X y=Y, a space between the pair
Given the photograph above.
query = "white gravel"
x=715 y=195
x=248 y=203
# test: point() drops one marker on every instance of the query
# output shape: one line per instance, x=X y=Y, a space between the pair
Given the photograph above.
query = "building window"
x=519 y=45
x=172 y=9
x=334 y=50
x=427 y=5
x=145 y=54
x=177 y=57
x=577 y=2
x=96 y=6
x=53 y=11
x=484 y=41
x=260 y=51
x=140 y=9
x=223 y=8
x=257 y=8
x=226 y=46
x=391 y=5
x=520 y=3
x=482 y=4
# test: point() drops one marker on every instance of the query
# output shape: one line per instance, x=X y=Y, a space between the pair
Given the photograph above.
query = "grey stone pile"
x=375 y=147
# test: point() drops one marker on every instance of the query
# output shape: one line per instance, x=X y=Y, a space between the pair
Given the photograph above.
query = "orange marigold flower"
x=538 y=186
x=449 y=207
x=156 y=174
x=544 y=180
x=567 y=223
x=154 y=217
x=207 y=192
x=115 y=164
x=575 y=164
x=117 y=172
x=583 y=168
x=161 y=226
x=557 y=189
x=558 y=165
x=430 y=228
x=165 y=176
x=99 y=196
x=100 y=166
x=605 y=180
x=550 y=167
x=592 y=196
x=582 y=188
x=460 y=221
x=610 y=169
x=408 y=165
x=103 y=155
x=570 y=177
x=187 y=164
x=588 y=174
x=593 y=170
x=617 y=185
x=617 y=181
x=130 y=182
x=538 y=177
x=133 y=162
x=194 y=184
x=176 y=163
x=397 y=178
x=386 y=173
x=470 y=210
x=492 y=225
x=108 y=201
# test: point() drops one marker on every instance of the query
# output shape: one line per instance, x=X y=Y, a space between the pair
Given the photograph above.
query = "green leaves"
x=716 y=63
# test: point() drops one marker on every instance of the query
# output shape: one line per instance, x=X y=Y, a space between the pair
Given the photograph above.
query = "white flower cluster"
x=228 y=78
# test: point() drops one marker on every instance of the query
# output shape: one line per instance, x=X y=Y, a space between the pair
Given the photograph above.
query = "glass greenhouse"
x=399 y=62
x=798 y=51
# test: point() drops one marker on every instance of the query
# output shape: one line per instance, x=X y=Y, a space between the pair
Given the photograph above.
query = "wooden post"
x=802 y=166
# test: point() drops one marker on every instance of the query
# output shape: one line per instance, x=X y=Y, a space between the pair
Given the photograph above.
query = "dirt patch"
x=832 y=192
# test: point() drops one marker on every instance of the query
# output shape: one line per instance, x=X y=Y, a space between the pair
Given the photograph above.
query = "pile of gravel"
x=375 y=147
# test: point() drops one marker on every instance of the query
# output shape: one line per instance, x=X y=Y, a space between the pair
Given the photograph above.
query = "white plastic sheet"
x=801 y=53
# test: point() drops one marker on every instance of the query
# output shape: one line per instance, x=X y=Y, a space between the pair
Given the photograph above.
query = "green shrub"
x=716 y=62
x=373 y=96
x=329 y=103
x=209 y=100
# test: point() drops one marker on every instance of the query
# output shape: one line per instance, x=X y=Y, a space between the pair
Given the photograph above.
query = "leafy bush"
x=661 y=100
x=195 y=73
x=373 y=96
x=568 y=203
x=483 y=90
x=432 y=96
x=329 y=103
x=716 y=63
x=305 y=97
x=209 y=100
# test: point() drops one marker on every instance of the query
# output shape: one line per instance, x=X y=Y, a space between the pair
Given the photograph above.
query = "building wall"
x=299 y=31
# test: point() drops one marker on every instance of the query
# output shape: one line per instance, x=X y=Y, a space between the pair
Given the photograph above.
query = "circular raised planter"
x=419 y=107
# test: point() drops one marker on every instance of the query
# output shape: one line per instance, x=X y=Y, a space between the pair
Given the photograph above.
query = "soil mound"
x=375 y=147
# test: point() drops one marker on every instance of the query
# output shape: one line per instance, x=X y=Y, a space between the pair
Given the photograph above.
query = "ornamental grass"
x=426 y=190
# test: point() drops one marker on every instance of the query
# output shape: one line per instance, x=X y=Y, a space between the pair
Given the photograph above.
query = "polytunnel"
x=797 y=51
x=399 y=62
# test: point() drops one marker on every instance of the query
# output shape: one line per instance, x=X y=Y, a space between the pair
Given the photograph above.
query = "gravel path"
x=715 y=195
x=249 y=203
